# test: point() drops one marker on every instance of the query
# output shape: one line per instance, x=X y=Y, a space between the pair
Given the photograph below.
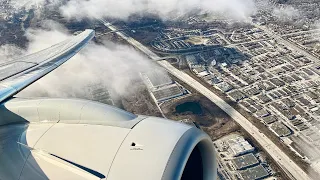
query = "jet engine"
x=79 y=139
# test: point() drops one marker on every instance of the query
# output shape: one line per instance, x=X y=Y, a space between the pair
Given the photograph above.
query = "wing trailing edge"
x=19 y=73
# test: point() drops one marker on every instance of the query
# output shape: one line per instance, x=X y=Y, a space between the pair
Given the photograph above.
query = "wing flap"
x=14 y=68
x=17 y=74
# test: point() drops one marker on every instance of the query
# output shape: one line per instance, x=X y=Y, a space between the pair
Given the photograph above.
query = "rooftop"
x=167 y=92
x=239 y=146
x=257 y=172
x=157 y=78
x=280 y=129
x=245 y=161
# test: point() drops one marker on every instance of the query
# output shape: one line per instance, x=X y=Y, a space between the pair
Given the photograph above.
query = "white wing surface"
x=17 y=74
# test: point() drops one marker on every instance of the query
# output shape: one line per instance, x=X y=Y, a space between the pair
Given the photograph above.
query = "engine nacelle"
x=82 y=139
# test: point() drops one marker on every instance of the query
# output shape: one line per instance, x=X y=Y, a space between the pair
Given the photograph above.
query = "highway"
x=290 y=167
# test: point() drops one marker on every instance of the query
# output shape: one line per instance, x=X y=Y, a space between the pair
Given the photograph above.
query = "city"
x=252 y=85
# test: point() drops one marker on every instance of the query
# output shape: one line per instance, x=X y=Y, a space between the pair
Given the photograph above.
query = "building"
x=161 y=86
x=280 y=129
x=156 y=79
x=245 y=161
x=192 y=61
x=269 y=119
x=254 y=173
x=167 y=92
x=224 y=87
x=99 y=93
x=239 y=146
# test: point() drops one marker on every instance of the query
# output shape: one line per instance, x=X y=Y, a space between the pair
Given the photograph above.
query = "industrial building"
x=269 y=119
x=156 y=79
x=280 y=129
x=237 y=159
x=238 y=145
x=161 y=86
x=167 y=92
x=254 y=173
x=99 y=93
x=245 y=161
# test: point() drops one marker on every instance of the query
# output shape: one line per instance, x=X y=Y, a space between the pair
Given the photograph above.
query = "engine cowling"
x=82 y=140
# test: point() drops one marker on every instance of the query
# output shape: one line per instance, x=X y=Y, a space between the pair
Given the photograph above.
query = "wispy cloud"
x=10 y=51
x=115 y=66
x=165 y=9
x=286 y=13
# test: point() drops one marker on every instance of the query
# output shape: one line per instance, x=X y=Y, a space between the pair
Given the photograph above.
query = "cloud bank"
x=115 y=66
x=122 y=9
x=165 y=9
x=9 y=51
x=286 y=13
x=27 y=4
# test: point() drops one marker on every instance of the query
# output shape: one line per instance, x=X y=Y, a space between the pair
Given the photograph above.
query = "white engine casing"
x=79 y=139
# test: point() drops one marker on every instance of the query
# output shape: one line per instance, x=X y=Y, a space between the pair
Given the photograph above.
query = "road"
x=287 y=43
x=290 y=167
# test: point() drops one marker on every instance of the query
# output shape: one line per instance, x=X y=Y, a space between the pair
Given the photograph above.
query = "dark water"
x=193 y=107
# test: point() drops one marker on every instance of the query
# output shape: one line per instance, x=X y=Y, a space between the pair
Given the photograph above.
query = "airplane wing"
x=17 y=74
x=79 y=139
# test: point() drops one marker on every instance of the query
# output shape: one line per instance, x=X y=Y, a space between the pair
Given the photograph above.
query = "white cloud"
x=9 y=51
x=116 y=66
x=27 y=4
x=286 y=13
x=166 y=9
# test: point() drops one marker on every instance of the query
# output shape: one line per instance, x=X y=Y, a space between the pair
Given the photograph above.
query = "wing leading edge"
x=17 y=74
